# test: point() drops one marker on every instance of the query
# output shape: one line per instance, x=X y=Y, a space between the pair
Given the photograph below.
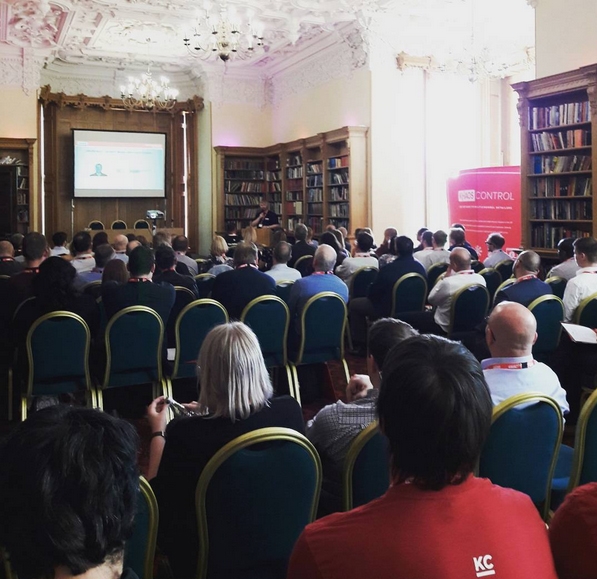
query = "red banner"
x=485 y=201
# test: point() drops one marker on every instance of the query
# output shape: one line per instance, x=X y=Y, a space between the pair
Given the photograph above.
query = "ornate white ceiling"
x=132 y=34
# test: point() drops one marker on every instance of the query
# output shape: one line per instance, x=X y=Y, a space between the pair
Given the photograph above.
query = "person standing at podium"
x=265 y=218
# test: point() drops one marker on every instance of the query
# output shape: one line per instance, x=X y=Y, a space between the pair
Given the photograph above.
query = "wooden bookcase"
x=558 y=118
x=315 y=181
x=16 y=185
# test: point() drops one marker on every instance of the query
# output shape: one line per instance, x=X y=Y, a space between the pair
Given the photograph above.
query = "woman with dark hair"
x=115 y=270
x=328 y=238
x=100 y=238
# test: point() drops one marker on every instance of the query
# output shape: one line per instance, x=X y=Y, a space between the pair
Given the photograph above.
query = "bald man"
x=528 y=286
x=119 y=244
x=510 y=333
x=8 y=265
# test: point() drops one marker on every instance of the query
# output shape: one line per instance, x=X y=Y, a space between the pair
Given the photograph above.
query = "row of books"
x=292 y=222
x=556 y=115
x=274 y=175
x=315 y=181
x=315 y=195
x=242 y=174
x=244 y=187
x=294 y=195
x=560 y=209
x=562 y=187
x=238 y=224
x=294 y=185
x=294 y=173
x=340 y=223
x=339 y=210
x=239 y=213
x=273 y=164
x=243 y=165
x=315 y=208
x=339 y=178
x=294 y=207
x=253 y=200
x=276 y=197
x=275 y=186
x=337 y=162
x=276 y=208
x=561 y=163
x=339 y=193
x=316 y=224
x=547 y=235
x=292 y=160
x=560 y=140
x=22 y=198
x=314 y=168
x=22 y=183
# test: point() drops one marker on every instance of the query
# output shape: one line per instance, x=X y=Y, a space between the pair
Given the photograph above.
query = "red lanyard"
x=511 y=365
x=525 y=277
x=139 y=280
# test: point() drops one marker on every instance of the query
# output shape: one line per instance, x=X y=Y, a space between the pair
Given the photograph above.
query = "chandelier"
x=222 y=32
x=147 y=93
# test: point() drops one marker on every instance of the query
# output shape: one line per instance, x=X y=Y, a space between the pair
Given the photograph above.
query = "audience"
x=103 y=254
x=280 y=258
x=458 y=239
x=236 y=397
x=362 y=258
x=568 y=267
x=120 y=244
x=116 y=271
x=8 y=265
x=583 y=284
x=59 y=244
x=68 y=493
x=427 y=247
x=384 y=247
x=419 y=239
x=165 y=263
x=180 y=244
x=100 y=238
x=437 y=519
x=439 y=254
x=390 y=255
x=218 y=262
x=300 y=247
x=83 y=260
x=495 y=242
x=328 y=238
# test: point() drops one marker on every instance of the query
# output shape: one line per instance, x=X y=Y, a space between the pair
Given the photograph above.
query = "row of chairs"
x=97 y=225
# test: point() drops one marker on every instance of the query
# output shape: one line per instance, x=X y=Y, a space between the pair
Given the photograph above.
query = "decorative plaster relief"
x=35 y=23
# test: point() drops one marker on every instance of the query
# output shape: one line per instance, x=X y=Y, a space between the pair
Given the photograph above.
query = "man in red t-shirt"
x=437 y=521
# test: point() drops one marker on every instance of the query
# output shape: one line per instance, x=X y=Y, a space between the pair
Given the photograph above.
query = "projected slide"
x=119 y=164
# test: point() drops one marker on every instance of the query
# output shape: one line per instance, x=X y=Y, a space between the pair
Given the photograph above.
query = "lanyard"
x=525 y=277
x=511 y=365
x=139 y=280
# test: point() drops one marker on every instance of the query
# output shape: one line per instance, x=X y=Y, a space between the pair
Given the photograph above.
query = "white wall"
x=565 y=35
x=241 y=125
x=18 y=113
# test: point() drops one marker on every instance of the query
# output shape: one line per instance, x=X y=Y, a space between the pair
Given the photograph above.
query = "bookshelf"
x=316 y=181
x=16 y=157
x=558 y=124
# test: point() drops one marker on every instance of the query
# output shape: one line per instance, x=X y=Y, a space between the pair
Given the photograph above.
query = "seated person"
x=583 y=284
x=362 y=258
x=83 y=259
x=384 y=246
x=236 y=397
x=511 y=332
x=165 y=264
x=300 y=247
x=218 y=261
x=567 y=267
x=180 y=244
x=8 y=265
x=495 y=243
x=59 y=244
x=103 y=254
x=280 y=271
x=458 y=239
x=335 y=426
x=68 y=491
x=436 y=519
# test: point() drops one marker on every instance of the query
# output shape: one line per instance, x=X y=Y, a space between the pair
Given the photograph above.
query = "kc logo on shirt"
x=483 y=566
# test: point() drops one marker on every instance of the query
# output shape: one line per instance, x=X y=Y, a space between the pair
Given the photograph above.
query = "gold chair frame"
x=583 y=304
x=580 y=440
x=455 y=299
x=154 y=517
x=358 y=271
x=301 y=259
x=397 y=284
x=243 y=441
x=506 y=283
x=547 y=298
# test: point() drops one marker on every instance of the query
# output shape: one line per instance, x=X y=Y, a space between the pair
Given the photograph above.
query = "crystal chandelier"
x=222 y=32
x=147 y=93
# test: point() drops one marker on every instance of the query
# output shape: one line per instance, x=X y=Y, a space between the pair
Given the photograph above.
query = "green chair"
x=253 y=499
x=139 y=550
x=93 y=288
x=283 y=289
x=409 y=294
x=133 y=342
x=586 y=312
x=304 y=265
x=184 y=296
x=477 y=266
x=321 y=338
x=361 y=281
x=205 y=283
x=549 y=313
x=366 y=472
x=557 y=284
x=57 y=354
x=522 y=447
x=503 y=285
x=433 y=273
x=504 y=268
x=201 y=264
x=192 y=325
x=493 y=280
x=469 y=308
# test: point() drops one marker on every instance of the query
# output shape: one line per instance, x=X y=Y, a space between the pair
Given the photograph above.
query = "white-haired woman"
x=236 y=397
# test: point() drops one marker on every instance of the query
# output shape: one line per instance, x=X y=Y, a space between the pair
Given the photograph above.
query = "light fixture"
x=223 y=32
x=147 y=93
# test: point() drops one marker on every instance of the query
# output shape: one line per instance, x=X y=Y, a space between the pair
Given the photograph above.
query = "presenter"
x=265 y=218
x=98 y=171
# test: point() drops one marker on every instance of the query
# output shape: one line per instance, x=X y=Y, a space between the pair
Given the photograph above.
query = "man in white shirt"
x=59 y=244
x=83 y=261
x=510 y=333
x=280 y=270
x=180 y=245
x=438 y=253
x=568 y=267
x=459 y=275
x=495 y=242
x=584 y=283
x=361 y=258
x=427 y=243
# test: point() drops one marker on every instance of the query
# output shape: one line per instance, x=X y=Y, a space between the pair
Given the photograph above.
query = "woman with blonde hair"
x=218 y=262
x=236 y=397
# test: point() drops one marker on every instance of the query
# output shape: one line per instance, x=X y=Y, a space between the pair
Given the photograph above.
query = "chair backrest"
x=323 y=323
x=477 y=266
x=366 y=472
x=93 y=288
x=584 y=462
x=506 y=283
x=504 y=268
x=304 y=265
x=192 y=325
x=141 y=224
x=522 y=447
x=184 y=296
x=118 y=224
x=139 y=550
x=549 y=313
x=493 y=279
x=557 y=284
x=409 y=294
x=433 y=273
x=586 y=312
x=205 y=283
x=469 y=308
x=268 y=317
x=58 y=353
x=283 y=289
x=361 y=280
x=95 y=225
x=134 y=338
x=254 y=501
x=201 y=264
